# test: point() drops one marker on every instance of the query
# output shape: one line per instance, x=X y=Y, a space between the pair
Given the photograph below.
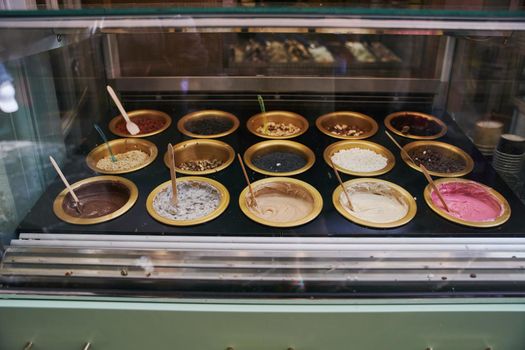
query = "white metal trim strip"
x=266 y=240
x=228 y=21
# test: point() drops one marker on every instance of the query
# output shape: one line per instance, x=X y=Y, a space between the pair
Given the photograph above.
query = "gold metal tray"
x=277 y=117
x=409 y=200
x=119 y=146
x=388 y=124
x=199 y=149
x=499 y=221
x=223 y=204
x=149 y=113
x=349 y=118
x=349 y=144
x=276 y=146
x=62 y=215
x=316 y=198
x=446 y=148
x=181 y=124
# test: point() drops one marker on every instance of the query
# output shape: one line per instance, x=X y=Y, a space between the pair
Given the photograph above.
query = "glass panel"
x=56 y=97
x=278 y=54
x=486 y=91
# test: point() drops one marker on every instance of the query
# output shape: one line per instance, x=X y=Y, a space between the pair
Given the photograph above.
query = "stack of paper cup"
x=509 y=156
x=486 y=135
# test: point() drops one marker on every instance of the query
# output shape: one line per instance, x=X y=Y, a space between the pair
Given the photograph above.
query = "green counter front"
x=137 y=324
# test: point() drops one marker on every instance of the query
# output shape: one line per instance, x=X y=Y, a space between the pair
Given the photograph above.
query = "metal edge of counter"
x=323 y=267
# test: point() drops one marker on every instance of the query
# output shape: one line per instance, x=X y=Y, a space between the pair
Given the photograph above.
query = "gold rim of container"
x=372 y=146
x=150 y=113
x=279 y=145
x=223 y=204
x=119 y=146
x=505 y=215
x=62 y=215
x=316 y=197
x=350 y=118
x=409 y=200
x=469 y=162
x=278 y=117
x=442 y=125
x=198 y=149
x=181 y=124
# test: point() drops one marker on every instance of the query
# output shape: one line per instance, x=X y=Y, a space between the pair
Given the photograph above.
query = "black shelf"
x=233 y=222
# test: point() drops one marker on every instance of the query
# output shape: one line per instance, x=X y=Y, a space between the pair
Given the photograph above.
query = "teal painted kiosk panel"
x=301 y=325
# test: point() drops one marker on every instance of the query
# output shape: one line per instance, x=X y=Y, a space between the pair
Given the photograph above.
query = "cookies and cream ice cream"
x=374 y=202
x=195 y=200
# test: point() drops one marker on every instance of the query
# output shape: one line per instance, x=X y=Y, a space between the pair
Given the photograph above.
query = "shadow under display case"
x=294 y=91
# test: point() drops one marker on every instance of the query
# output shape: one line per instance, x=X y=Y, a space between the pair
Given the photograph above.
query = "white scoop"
x=130 y=126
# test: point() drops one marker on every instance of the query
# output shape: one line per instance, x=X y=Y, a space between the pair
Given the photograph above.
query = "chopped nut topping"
x=200 y=165
x=346 y=130
x=278 y=129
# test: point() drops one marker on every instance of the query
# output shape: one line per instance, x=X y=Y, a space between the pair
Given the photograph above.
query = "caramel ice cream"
x=281 y=202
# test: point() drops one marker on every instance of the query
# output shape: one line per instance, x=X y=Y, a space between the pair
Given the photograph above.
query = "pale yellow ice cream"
x=374 y=202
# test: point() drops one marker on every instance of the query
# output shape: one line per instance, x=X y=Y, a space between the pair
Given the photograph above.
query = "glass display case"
x=277 y=96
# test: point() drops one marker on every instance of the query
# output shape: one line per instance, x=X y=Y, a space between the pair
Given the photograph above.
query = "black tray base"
x=233 y=222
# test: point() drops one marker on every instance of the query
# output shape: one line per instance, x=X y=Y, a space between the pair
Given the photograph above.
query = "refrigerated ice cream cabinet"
x=262 y=176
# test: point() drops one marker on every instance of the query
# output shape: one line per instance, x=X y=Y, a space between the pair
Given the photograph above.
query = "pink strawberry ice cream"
x=468 y=201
